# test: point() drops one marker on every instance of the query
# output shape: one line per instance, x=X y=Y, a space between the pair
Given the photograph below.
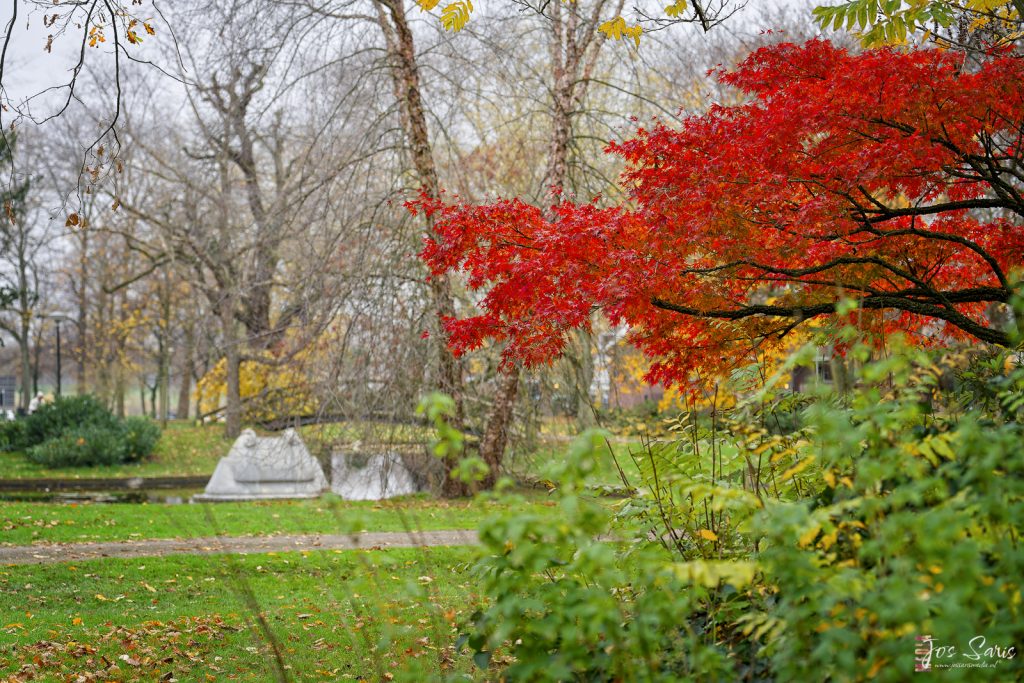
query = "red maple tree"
x=893 y=178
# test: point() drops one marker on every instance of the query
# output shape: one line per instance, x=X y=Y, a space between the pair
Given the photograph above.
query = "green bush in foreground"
x=819 y=555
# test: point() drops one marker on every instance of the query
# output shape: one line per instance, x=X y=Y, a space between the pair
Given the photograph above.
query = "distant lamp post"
x=57 y=318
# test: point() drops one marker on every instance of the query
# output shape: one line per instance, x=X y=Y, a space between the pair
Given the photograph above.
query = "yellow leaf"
x=427 y=5
x=634 y=33
x=876 y=667
x=798 y=468
x=808 y=536
x=925 y=449
x=455 y=15
x=613 y=28
x=941 y=446
x=617 y=29
x=707 y=534
x=676 y=9
x=712 y=572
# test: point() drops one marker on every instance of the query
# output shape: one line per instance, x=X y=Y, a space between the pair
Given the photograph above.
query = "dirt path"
x=69 y=552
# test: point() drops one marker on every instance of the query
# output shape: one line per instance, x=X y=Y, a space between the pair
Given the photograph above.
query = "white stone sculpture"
x=383 y=476
x=263 y=468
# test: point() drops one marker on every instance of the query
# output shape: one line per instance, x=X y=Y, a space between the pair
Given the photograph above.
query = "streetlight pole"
x=57 y=320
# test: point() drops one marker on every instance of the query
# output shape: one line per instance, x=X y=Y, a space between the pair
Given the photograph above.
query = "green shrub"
x=12 y=435
x=568 y=605
x=909 y=536
x=79 y=431
x=140 y=437
x=65 y=413
x=818 y=555
x=82 y=447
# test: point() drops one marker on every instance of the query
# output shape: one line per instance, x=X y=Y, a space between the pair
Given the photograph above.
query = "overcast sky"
x=30 y=69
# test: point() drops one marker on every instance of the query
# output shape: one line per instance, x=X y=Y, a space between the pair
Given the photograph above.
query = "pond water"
x=164 y=496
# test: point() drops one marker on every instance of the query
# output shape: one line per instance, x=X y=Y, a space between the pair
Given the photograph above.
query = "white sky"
x=30 y=69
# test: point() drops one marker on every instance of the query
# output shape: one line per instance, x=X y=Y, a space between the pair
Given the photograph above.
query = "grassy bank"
x=24 y=523
x=184 y=449
x=187 y=449
x=344 y=615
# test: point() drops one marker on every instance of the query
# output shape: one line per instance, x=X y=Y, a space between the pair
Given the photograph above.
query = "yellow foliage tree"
x=269 y=388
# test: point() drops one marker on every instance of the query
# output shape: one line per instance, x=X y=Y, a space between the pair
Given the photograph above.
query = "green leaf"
x=482 y=659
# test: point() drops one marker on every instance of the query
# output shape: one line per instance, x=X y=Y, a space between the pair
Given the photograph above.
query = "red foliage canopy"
x=892 y=178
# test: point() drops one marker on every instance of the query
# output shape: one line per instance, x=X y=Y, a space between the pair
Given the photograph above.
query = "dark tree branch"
x=874 y=302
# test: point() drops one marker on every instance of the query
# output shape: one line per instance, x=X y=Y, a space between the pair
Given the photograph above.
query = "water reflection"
x=165 y=496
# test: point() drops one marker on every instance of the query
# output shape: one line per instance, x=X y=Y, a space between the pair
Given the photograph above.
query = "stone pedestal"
x=374 y=477
x=266 y=468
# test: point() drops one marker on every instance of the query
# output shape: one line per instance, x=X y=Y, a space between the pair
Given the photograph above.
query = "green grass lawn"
x=25 y=523
x=335 y=615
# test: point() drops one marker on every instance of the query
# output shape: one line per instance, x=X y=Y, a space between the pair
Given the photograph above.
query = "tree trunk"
x=414 y=119
x=26 y=359
x=567 y=59
x=232 y=356
x=161 y=390
x=185 y=386
x=83 y=314
x=119 y=392
x=840 y=374
x=199 y=409
x=406 y=83
x=584 y=375
x=37 y=350
x=121 y=354
x=492 y=447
